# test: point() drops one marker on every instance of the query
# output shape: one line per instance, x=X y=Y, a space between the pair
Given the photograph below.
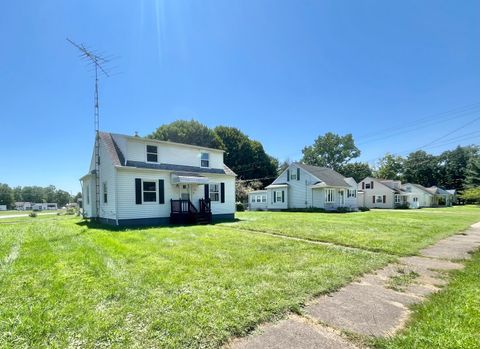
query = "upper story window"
x=152 y=153
x=205 y=160
x=293 y=176
x=367 y=185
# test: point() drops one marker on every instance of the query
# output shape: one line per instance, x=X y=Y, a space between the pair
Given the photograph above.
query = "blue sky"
x=284 y=72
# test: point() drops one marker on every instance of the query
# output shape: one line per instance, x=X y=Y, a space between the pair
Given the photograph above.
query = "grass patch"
x=403 y=280
x=449 y=319
x=65 y=284
x=393 y=231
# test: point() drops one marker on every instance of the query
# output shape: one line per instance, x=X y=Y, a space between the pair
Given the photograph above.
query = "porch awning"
x=188 y=178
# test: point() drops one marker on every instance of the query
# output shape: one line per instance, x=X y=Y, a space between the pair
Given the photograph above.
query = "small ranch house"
x=304 y=186
x=143 y=181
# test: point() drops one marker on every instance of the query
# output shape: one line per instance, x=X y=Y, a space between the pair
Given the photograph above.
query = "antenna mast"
x=98 y=63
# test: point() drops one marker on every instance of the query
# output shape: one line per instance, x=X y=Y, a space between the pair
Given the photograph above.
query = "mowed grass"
x=450 y=319
x=399 y=232
x=64 y=284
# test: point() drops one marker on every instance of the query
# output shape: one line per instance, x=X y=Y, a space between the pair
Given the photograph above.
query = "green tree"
x=357 y=170
x=6 y=195
x=246 y=157
x=331 y=150
x=421 y=168
x=62 y=197
x=49 y=193
x=390 y=167
x=471 y=195
x=188 y=132
x=473 y=173
x=17 y=194
x=453 y=166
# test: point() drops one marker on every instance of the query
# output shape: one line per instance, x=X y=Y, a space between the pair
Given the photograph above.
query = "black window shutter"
x=373 y=198
x=222 y=192
x=371 y=185
x=207 y=191
x=161 y=191
x=384 y=199
x=274 y=196
x=283 y=195
x=298 y=174
x=138 y=191
x=363 y=185
x=288 y=175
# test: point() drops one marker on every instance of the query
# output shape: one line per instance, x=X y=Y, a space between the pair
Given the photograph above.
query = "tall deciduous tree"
x=189 y=132
x=331 y=150
x=6 y=195
x=390 y=167
x=473 y=174
x=357 y=170
x=454 y=164
x=421 y=168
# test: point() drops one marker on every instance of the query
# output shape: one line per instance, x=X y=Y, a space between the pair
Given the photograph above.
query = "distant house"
x=381 y=193
x=304 y=186
x=384 y=193
x=23 y=206
x=149 y=182
x=3 y=207
x=44 y=206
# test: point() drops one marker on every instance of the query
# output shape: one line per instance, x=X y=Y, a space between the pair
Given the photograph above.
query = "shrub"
x=363 y=209
x=402 y=206
x=343 y=209
x=70 y=211
x=240 y=207
x=33 y=214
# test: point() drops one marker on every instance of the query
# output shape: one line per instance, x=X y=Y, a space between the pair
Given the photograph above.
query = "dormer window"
x=152 y=153
x=205 y=160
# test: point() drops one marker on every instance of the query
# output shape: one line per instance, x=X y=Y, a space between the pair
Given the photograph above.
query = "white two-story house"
x=303 y=186
x=142 y=181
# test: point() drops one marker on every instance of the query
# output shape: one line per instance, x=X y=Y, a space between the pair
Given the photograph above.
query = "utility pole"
x=98 y=62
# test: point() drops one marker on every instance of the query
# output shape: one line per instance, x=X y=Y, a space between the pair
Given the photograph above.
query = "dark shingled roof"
x=112 y=148
x=172 y=167
x=118 y=159
x=326 y=175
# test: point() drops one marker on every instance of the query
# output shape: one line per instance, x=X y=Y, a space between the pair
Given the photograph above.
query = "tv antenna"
x=98 y=62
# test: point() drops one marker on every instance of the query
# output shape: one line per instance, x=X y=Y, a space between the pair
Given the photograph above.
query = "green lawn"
x=450 y=319
x=400 y=232
x=63 y=284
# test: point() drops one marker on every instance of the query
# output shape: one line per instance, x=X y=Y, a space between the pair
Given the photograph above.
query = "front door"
x=185 y=192
x=342 y=197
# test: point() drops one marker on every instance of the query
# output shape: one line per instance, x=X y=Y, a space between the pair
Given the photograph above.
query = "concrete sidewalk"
x=368 y=306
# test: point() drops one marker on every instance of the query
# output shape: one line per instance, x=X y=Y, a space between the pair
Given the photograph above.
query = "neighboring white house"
x=44 y=206
x=148 y=182
x=304 y=186
x=257 y=200
x=382 y=193
x=23 y=206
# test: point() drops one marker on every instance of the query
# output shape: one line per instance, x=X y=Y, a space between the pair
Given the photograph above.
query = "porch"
x=183 y=211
